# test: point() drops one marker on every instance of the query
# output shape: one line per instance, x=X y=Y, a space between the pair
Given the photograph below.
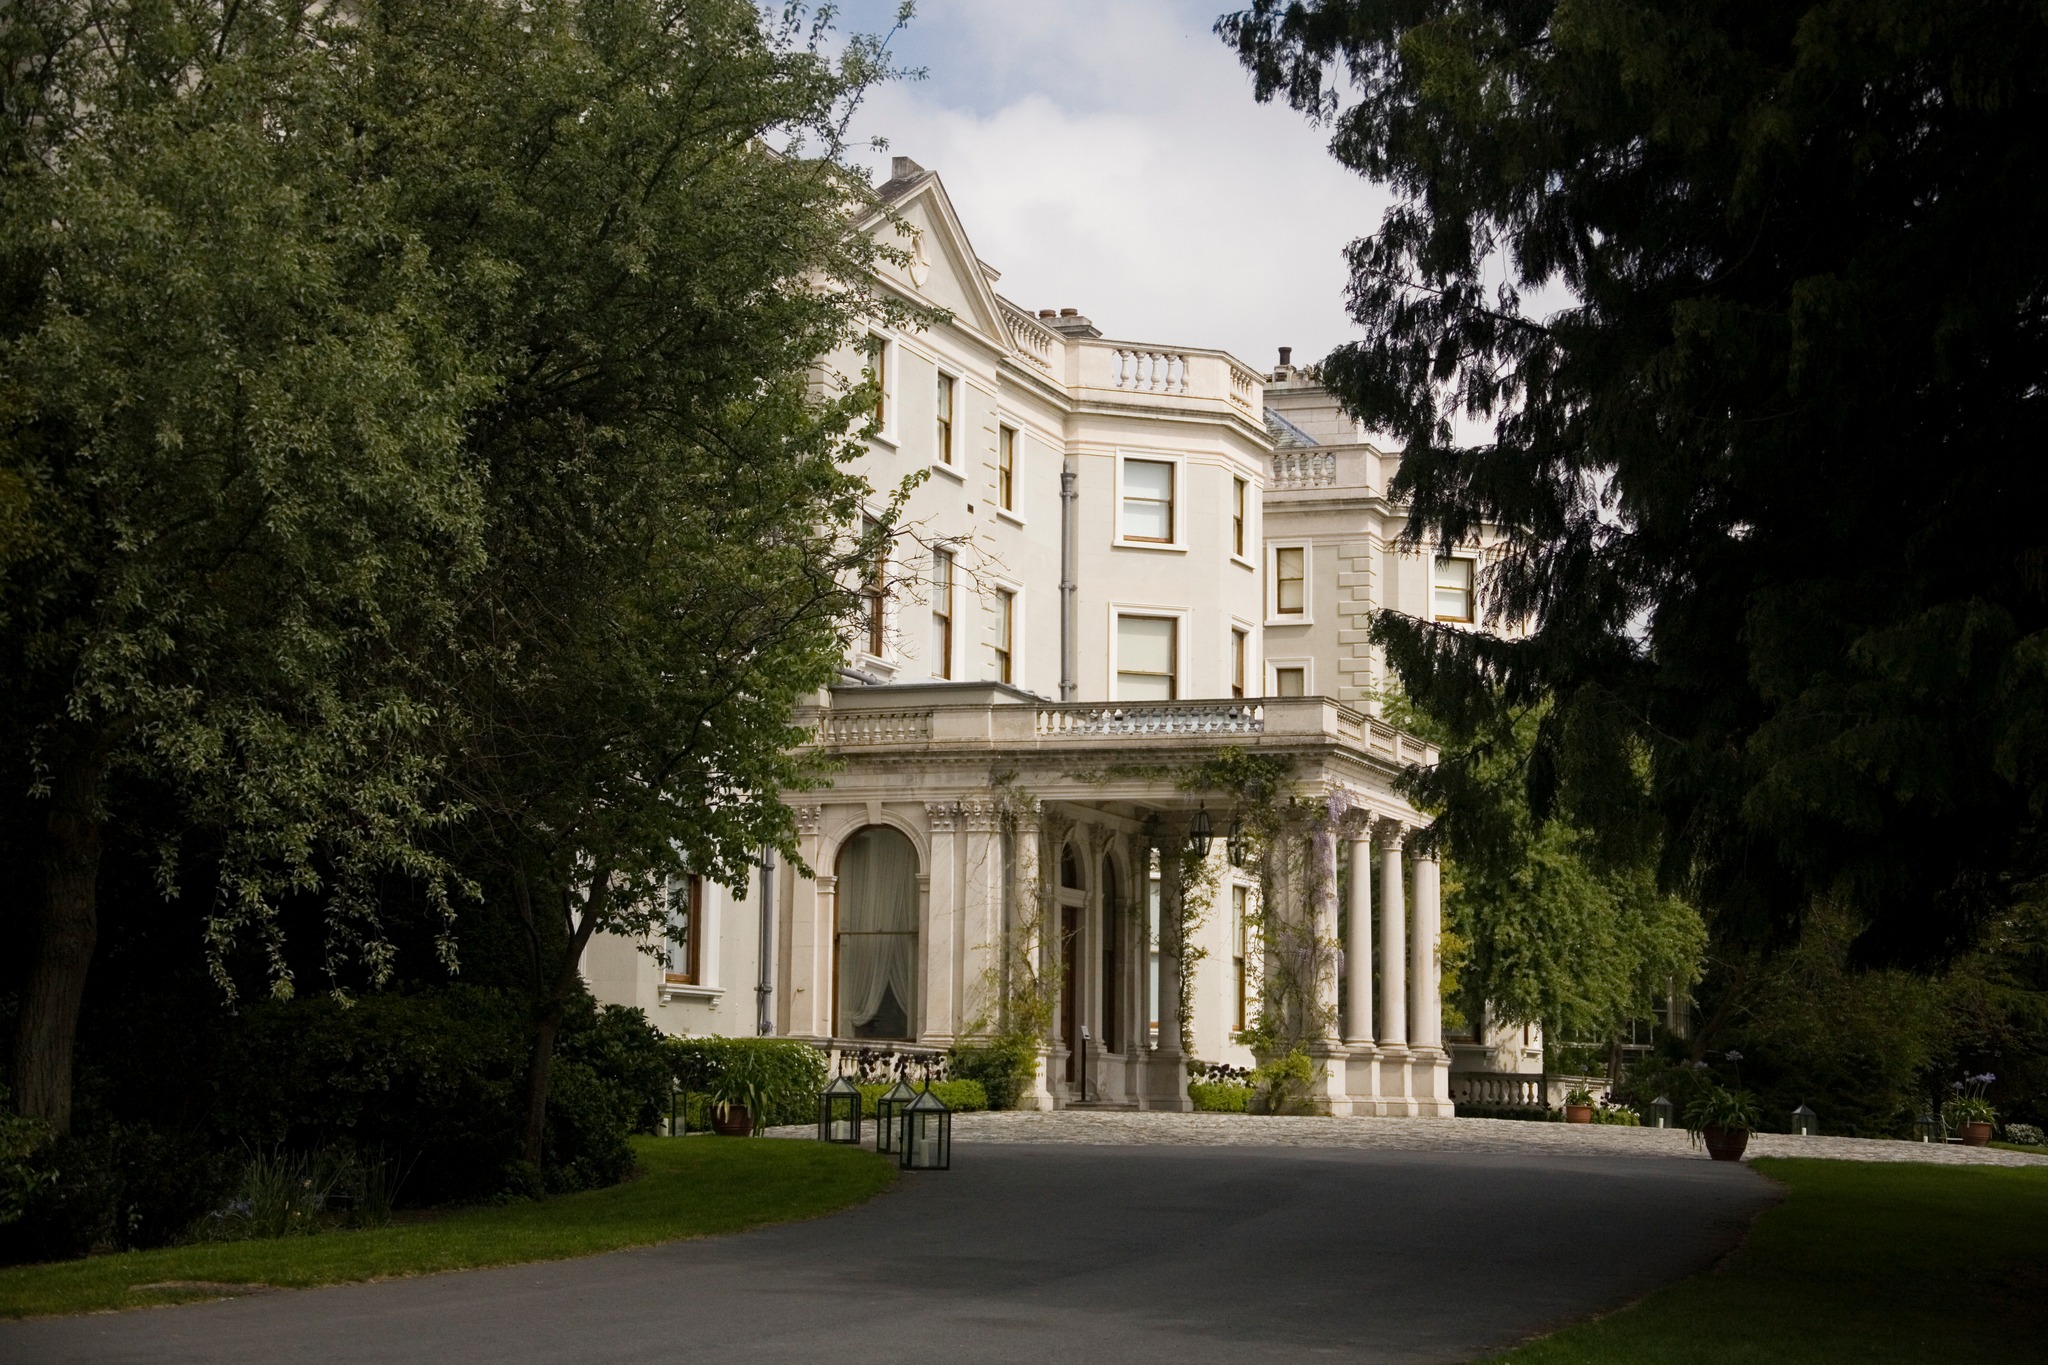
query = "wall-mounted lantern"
x=1200 y=832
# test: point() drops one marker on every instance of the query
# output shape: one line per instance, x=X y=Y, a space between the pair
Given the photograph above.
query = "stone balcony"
x=1134 y=372
x=957 y=718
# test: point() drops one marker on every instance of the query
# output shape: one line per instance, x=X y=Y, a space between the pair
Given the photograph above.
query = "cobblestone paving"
x=1119 y=1128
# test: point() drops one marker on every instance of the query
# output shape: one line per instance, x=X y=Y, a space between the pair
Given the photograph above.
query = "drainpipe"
x=1070 y=494
x=765 y=1023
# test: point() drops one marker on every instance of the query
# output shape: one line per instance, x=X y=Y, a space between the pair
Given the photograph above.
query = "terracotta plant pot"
x=733 y=1120
x=1725 y=1144
x=1976 y=1134
x=1578 y=1113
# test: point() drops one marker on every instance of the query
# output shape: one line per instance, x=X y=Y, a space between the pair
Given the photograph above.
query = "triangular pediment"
x=946 y=272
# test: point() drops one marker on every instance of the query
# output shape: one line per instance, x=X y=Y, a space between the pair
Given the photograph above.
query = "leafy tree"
x=233 y=496
x=1553 y=934
x=1771 y=475
x=666 y=492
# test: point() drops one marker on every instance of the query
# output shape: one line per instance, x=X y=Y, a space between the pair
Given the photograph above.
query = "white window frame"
x=1254 y=665
x=1251 y=529
x=1016 y=428
x=943 y=670
x=1307 y=615
x=1180 y=645
x=1471 y=557
x=861 y=656
x=1308 y=675
x=948 y=459
x=707 y=986
x=1179 y=543
x=892 y=376
x=1017 y=656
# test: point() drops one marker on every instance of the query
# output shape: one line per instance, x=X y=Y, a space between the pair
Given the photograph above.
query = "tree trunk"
x=66 y=929
x=548 y=1016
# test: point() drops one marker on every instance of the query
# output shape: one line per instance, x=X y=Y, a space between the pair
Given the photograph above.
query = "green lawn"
x=686 y=1187
x=1863 y=1262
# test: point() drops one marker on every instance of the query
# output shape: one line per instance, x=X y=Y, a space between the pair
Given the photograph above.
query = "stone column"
x=1358 y=943
x=1027 y=915
x=804 y=938
x=1393 y=940
x=981 y=912
x=934 y=1027
x=1425 y=1024
x=1322 y=849
x=1167 y=1083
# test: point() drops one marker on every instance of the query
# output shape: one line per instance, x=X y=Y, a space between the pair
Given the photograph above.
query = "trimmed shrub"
x=777 y=1077
x=2023 y=1134
x=1003 y=1069
x=1220 y=1097
x=962 y=1097
x=119 y=1188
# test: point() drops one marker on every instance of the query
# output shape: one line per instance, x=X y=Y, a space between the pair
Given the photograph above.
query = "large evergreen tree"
x=1771 y=472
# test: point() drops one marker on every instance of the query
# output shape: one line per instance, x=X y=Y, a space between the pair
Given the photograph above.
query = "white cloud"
x=1112 y=159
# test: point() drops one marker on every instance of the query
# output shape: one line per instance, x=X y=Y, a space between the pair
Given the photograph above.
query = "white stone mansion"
x=1128 y=558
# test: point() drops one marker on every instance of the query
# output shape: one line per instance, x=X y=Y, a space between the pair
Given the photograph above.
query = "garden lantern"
x=927 y=1137
x=839 y=1112
x=1928 y=1129
x=1804 y=1121
x=1200 y=832
x=1234 y=844
x=1662 y=1111
x=889 y=1114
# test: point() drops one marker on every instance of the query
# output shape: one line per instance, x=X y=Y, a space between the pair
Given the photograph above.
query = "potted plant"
x=1723 y=1119
x=1969 y=1113
x=1971 y=1116
x=1578 y=1106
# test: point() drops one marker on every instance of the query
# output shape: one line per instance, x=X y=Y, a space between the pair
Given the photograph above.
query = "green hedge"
x=962 y=1097
x=785 y=1073
x=1220 y=1097
x=1003 y=1069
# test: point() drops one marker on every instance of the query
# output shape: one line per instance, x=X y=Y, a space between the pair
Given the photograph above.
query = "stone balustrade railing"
x=1497 y=1089
x=878 y=727
x=1156 y=718
x=1034 y=340
x=1304 y=468
x=1151 y=371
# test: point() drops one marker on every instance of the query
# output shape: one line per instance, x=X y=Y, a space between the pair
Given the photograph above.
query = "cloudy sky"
x=1107 y=155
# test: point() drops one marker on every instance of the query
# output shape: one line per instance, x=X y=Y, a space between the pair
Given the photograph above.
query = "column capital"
x=943 y=815
x=807 y=818
x=981 y=817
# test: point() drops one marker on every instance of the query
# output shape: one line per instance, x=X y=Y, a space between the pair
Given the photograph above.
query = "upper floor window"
x=1006 y=632
x=1290 y=682
x=1006 y=468
x=1238 y=493
x=878 y=374
x=1147 y=658
x=1237 y=640
x=874 y=592
x=945 y=423
x=1453 y=592
x=942 y=613
x=1148 y=500
x=1290 y=580
x=685 y=929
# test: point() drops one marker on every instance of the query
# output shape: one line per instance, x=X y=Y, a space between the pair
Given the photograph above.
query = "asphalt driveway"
x=1039 y=1253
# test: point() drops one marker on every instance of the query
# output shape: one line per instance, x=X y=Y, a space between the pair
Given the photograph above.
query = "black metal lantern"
x=1235 y=844
x=1200 y=833
x=1929 y=1129
x=1804 y=1121
x=839 y=1112
x=926 y=1140
x=889 y=1114
x=1662 y=1112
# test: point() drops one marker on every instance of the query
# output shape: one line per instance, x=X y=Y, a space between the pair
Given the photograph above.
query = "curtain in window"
x=877 y=935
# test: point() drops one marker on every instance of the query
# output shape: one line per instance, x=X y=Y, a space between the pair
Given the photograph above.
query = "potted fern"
x=1578 y=1106
x=1723 y=1119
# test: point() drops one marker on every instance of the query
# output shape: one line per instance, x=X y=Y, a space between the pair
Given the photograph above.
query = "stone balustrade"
x=1497 y=1089
x=1304 y=468
x=1157 y=718
x=878 y=727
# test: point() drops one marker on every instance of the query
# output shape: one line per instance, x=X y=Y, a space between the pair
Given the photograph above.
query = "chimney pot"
x=1286 y=355
x=1070 y=312
x=1048 y=312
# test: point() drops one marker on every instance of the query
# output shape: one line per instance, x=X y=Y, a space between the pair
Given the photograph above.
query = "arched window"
x=876 y=943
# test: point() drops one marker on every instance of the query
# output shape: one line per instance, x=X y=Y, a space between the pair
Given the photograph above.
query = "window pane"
x=1148 y=500
x=1454 y=573
x=1291 y=589
x=1288 y=682
x=945 y=398
x=1144 y=644
x=1006 y=462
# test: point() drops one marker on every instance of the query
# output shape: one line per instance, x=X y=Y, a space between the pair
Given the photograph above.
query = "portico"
x=1041 y=848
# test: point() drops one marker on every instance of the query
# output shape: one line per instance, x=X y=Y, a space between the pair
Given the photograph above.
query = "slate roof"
x=1286 y=435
